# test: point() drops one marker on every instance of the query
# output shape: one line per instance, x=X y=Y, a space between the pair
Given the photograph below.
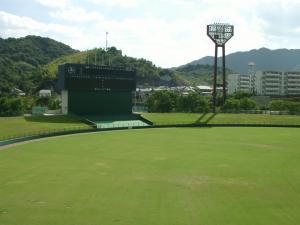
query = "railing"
x=123 y=124
x=44 y=132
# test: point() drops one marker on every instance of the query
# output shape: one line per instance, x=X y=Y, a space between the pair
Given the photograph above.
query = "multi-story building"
x=266 y=83
x=292 y=83
x=240 y=82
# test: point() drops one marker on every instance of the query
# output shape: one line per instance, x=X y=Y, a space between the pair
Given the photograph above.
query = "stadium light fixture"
x=219 y=33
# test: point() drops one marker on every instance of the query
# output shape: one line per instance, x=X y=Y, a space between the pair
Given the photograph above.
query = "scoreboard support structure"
x=96 y=90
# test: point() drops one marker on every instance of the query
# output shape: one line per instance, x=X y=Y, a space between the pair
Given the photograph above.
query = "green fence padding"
x=132 y=120
x=38 y=110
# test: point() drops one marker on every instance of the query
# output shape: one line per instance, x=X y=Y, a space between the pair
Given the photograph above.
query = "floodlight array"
x=220 y=33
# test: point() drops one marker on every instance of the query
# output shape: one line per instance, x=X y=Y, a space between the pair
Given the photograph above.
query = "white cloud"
x=113 y=3
x=17 y=26
x=54 y=3
x=169 y=40
x=76 y=14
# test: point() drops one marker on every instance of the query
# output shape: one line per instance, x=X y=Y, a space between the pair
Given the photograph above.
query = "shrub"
x=54 y=104
x=11 y=106
x=280 y=105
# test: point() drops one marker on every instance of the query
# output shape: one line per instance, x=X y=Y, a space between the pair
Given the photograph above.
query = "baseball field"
x=169 y=176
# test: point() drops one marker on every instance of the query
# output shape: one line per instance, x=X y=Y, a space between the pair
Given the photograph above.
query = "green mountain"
x=198 y=74
x=20 y=57
x=265 y=59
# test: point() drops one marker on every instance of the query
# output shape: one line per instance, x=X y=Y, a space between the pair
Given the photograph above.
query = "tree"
x=167 y=101
x=278 y=105
x=294 y=107
x=247 y=104
x=231 y=104
x=241 y=94
x=162 y=101
x=11 y=106
x=193 y=102
x=234 y=105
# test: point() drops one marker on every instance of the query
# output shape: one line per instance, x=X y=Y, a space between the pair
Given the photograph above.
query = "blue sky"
x=167 y=32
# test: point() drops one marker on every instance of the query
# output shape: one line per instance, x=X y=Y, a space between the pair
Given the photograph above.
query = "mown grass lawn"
x=24 y=126
x=220 y=118
x=194 y=176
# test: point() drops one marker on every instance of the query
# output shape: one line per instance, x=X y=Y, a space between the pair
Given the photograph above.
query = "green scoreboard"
x=96 y=90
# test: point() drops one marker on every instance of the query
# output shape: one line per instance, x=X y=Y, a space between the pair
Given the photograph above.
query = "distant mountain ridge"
x=264 y=58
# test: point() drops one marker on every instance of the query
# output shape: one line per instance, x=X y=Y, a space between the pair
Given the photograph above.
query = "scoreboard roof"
x=95 y=78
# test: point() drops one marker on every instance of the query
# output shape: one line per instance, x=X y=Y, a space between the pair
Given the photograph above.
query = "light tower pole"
x=219 y=33
x=106 y=41
x=106 y=46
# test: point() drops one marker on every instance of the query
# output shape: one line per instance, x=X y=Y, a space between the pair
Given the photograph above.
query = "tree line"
x=18 y=105
x=170 y=101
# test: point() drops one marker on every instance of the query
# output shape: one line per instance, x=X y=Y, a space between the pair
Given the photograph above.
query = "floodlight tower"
x=219 y=33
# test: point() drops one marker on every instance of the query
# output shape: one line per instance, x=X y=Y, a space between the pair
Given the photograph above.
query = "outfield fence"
x=79 y=130
x=267 y=112
x=232 y=123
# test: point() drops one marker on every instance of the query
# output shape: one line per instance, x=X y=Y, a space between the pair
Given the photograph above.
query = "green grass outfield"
x=221 y=118
x=170 y=176
x=25 y=126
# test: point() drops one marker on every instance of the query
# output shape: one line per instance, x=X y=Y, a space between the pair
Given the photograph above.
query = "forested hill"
x=265 y=59
x=30 y=64
x=19 y=58
x=33 y=50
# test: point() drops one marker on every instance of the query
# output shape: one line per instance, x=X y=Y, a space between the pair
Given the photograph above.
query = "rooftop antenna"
x=219 y=33
x=251 y=68
x=106 y=37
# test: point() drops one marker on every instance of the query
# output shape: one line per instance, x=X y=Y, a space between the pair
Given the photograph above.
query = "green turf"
x=183 y=176
x=220 y=118
x=25 y=126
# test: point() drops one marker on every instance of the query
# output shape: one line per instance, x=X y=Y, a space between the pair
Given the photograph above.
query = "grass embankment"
x=195 y=176
x=220 y=118
x=25 y=126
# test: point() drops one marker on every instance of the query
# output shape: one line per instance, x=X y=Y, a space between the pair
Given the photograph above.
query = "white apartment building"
x=292 y=83
x=266 y=83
